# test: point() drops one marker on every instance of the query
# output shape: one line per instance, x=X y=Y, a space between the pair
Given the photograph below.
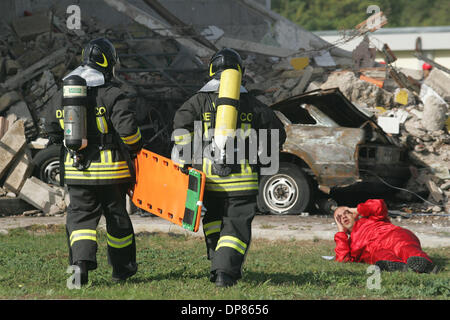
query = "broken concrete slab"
x=248 y=46
x=324 y=59
x=435 y=192
x=434 y=114
x=8 y=99
x=11 y=118
x=16 y=49
x=159 y=27
x=11 y=67
x=27 y=28
x=300 y=88
x=39 y=143
x=358 y=91
x=3 y=126
x=11 y=144
x=20 y=109
x=313 y=85
x=290 y=83
x=20 y=170
x=48 y=62
x=29 y=57
x=439 y=81
x=40 y=195
x=299 y=73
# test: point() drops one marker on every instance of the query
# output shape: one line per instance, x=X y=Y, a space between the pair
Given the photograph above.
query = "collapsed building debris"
x=164 y=62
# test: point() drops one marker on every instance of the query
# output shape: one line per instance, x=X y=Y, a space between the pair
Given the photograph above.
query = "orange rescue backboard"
x=163 y=190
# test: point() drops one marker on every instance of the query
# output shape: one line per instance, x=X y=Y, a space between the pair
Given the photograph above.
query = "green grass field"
x=33 y=264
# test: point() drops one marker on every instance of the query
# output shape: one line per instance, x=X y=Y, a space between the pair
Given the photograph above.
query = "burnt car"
x=331 y=145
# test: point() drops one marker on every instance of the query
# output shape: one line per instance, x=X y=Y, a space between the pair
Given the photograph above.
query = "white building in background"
x=402 y=41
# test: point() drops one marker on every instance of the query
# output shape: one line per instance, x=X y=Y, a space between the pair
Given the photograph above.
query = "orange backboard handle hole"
x=170 y=216
x=165 y=163
x=156 y=159
x=149 y=205
x=140 y=201
x=160 y=210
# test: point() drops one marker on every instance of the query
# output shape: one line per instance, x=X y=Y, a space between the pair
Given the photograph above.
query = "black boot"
x=122 y=273
x=212 y=276
x=421 y=265
x=386 y=265
x=225 y=280
x=84 y=278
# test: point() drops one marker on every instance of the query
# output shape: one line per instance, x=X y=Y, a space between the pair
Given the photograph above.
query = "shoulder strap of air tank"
x=211 y=107
x=61 y=165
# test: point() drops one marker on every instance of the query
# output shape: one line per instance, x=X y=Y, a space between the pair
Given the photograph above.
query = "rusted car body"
x=336 y=145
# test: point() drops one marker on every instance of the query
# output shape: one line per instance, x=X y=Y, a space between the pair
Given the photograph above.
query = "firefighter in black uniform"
x=230 y=190
x=103 y=172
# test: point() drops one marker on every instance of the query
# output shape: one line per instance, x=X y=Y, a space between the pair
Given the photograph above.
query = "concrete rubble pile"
x=27 y=74
x=36 y=51
x=425 y=131
x=21 y=192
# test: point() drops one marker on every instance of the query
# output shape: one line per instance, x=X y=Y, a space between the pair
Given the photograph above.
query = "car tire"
x=286 y=192
x=46 y=164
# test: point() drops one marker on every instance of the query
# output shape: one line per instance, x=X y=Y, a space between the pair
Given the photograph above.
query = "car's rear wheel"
x=46 y=164
x=287 y=192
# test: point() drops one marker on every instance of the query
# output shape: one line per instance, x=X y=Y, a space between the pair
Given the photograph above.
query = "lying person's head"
x=346 y=217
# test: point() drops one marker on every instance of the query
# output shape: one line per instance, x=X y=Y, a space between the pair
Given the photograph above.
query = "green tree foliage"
x=317 y=15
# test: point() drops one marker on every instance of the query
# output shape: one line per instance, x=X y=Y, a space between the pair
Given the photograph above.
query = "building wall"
x=443 y=57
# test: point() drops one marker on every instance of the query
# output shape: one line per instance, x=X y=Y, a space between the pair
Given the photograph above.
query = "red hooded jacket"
x=375 y=238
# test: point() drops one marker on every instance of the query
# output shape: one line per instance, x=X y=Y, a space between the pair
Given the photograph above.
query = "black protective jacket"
x=198 y=114
x=113 y=135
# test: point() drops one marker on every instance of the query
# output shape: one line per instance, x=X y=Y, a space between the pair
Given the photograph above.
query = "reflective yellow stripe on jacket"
x=102 y=125
x=134 y=138
x=105 y=169
x=183 y=139
x=242 y=181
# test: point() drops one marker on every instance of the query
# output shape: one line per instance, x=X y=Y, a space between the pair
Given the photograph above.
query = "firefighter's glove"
x=184 y=169
x=220 y=169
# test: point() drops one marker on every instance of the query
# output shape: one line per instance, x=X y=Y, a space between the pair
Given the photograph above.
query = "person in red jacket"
x=375 y=240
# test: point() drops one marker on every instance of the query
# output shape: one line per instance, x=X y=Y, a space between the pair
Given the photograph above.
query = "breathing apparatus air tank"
x=75 y=121
x=227 y=112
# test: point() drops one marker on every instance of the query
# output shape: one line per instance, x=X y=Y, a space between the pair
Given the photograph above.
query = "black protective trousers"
x=227 y=230
x=87 y=204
